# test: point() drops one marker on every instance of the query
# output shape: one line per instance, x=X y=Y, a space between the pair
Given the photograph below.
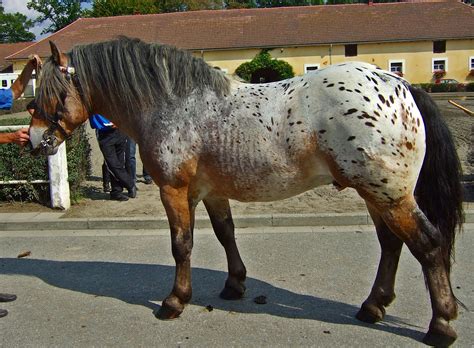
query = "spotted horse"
x=205 y=137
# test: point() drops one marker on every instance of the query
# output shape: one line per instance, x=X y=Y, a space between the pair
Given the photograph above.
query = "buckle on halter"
x=67 y=70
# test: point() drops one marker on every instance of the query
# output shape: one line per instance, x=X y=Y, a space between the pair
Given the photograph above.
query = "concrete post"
x=58 y=179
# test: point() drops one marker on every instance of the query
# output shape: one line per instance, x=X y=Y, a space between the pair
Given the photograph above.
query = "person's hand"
x=35 y=61
x=20 y=137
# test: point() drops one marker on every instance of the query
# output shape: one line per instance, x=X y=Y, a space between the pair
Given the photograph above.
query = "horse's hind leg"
x=180 y=214
x=426 y=243
x=382 y=293
x=221 y=219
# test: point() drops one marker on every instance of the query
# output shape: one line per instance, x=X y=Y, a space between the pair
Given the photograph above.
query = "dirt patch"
x=324 y=199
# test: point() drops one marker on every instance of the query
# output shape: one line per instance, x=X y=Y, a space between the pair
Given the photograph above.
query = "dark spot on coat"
x=350 y=111
x=351 y=138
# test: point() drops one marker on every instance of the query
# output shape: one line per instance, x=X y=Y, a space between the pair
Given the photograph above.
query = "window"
x=440 y=64
x=471 y=63
x=310 y=67
x=4 y=83
x=350 y=50
x=397 y=67
x=439 y=46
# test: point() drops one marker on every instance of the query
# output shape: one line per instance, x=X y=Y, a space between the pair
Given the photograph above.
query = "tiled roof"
x=9 y=49
x=275 y=27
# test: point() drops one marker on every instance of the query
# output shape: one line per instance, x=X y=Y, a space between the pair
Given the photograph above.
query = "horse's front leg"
x=180 y=214
x=223 y=225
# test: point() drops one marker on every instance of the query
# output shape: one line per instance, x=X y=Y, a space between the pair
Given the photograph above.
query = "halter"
x=48 y=136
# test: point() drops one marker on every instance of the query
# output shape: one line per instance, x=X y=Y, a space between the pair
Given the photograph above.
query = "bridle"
x=49 y=139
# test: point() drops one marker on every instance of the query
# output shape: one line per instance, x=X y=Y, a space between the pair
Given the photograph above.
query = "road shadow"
x=139 y=284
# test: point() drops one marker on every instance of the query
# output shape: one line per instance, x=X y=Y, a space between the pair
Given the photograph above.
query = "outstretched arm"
x=20 y=137
x=18 y=87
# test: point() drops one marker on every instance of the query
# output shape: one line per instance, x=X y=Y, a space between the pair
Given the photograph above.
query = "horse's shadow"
x=139 y=284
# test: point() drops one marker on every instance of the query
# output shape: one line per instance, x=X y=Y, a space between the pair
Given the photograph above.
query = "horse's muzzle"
x=47 y=146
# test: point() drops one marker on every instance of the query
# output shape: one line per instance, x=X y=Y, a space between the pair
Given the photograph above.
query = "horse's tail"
x=438 y=190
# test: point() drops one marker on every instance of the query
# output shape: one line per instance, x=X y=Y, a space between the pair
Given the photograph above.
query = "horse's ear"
x=58 y=57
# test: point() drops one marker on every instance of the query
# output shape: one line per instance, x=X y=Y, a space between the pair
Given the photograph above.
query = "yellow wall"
x=417 y=57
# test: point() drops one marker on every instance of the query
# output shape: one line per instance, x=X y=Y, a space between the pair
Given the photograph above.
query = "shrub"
x=17 y=164
x=470 y=87
x=261 y=61
x=442 y=87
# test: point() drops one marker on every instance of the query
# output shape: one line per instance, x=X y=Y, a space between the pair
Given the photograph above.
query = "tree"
x=262 y=68
x=107 y=8
x=59 y=12
x=14 y=27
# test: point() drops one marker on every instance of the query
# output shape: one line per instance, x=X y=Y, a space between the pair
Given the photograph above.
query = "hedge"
x=446 y=87
x=17 y=164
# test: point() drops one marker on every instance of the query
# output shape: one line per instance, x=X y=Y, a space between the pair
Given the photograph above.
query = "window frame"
x=311 y=65
x=471 y=63
x=392 y=61
x=445 y=64
x=439 y=42
x=348 y=47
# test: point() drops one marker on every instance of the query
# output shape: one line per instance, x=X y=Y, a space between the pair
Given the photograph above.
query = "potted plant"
x=438 y=74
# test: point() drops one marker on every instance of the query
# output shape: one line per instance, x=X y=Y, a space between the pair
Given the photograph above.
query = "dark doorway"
x=265 y=75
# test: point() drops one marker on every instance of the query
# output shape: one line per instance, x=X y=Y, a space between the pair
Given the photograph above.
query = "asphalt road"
x=100 y=288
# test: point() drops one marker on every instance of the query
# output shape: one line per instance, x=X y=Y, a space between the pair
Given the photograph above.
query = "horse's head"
x=59 y=106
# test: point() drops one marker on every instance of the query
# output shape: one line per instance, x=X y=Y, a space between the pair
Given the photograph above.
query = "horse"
x=206 y=137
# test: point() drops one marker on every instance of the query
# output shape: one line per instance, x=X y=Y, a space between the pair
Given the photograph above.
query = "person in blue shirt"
x=20 y=137
x=113 y=145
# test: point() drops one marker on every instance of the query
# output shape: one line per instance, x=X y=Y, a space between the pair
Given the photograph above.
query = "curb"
x=142 y=223
x=146 y=223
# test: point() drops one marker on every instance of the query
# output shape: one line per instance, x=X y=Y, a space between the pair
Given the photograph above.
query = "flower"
x=439 y=74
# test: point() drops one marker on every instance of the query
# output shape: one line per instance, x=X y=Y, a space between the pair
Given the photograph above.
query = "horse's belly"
x=270 y=183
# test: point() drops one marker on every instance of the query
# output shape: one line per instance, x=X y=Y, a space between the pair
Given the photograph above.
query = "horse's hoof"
x=170 y=309
x=233 y=289
x=370 y=313
x=440 y=336
x=231 y=294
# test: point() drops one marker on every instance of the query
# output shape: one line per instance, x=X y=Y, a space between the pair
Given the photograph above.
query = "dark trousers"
x=113 y=144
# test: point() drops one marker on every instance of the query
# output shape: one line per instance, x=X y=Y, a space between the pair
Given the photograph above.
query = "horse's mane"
x=131 y=73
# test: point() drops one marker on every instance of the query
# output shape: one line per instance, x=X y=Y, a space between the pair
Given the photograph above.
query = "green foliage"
x=14 y=27
x=16 y=164
x=59 y=12
x=104 y=8
x=261 y=61
x=470 y=87
x=442 y=87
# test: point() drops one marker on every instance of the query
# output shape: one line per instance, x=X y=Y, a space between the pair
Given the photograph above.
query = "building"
x=417 y=39
x=7 y=74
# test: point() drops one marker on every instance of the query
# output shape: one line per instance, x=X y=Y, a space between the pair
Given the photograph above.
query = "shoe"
x=148 y=180
x=119 y=197
x=107 y=188
x=7 y=297
x=132 y=193
x=3 y=313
